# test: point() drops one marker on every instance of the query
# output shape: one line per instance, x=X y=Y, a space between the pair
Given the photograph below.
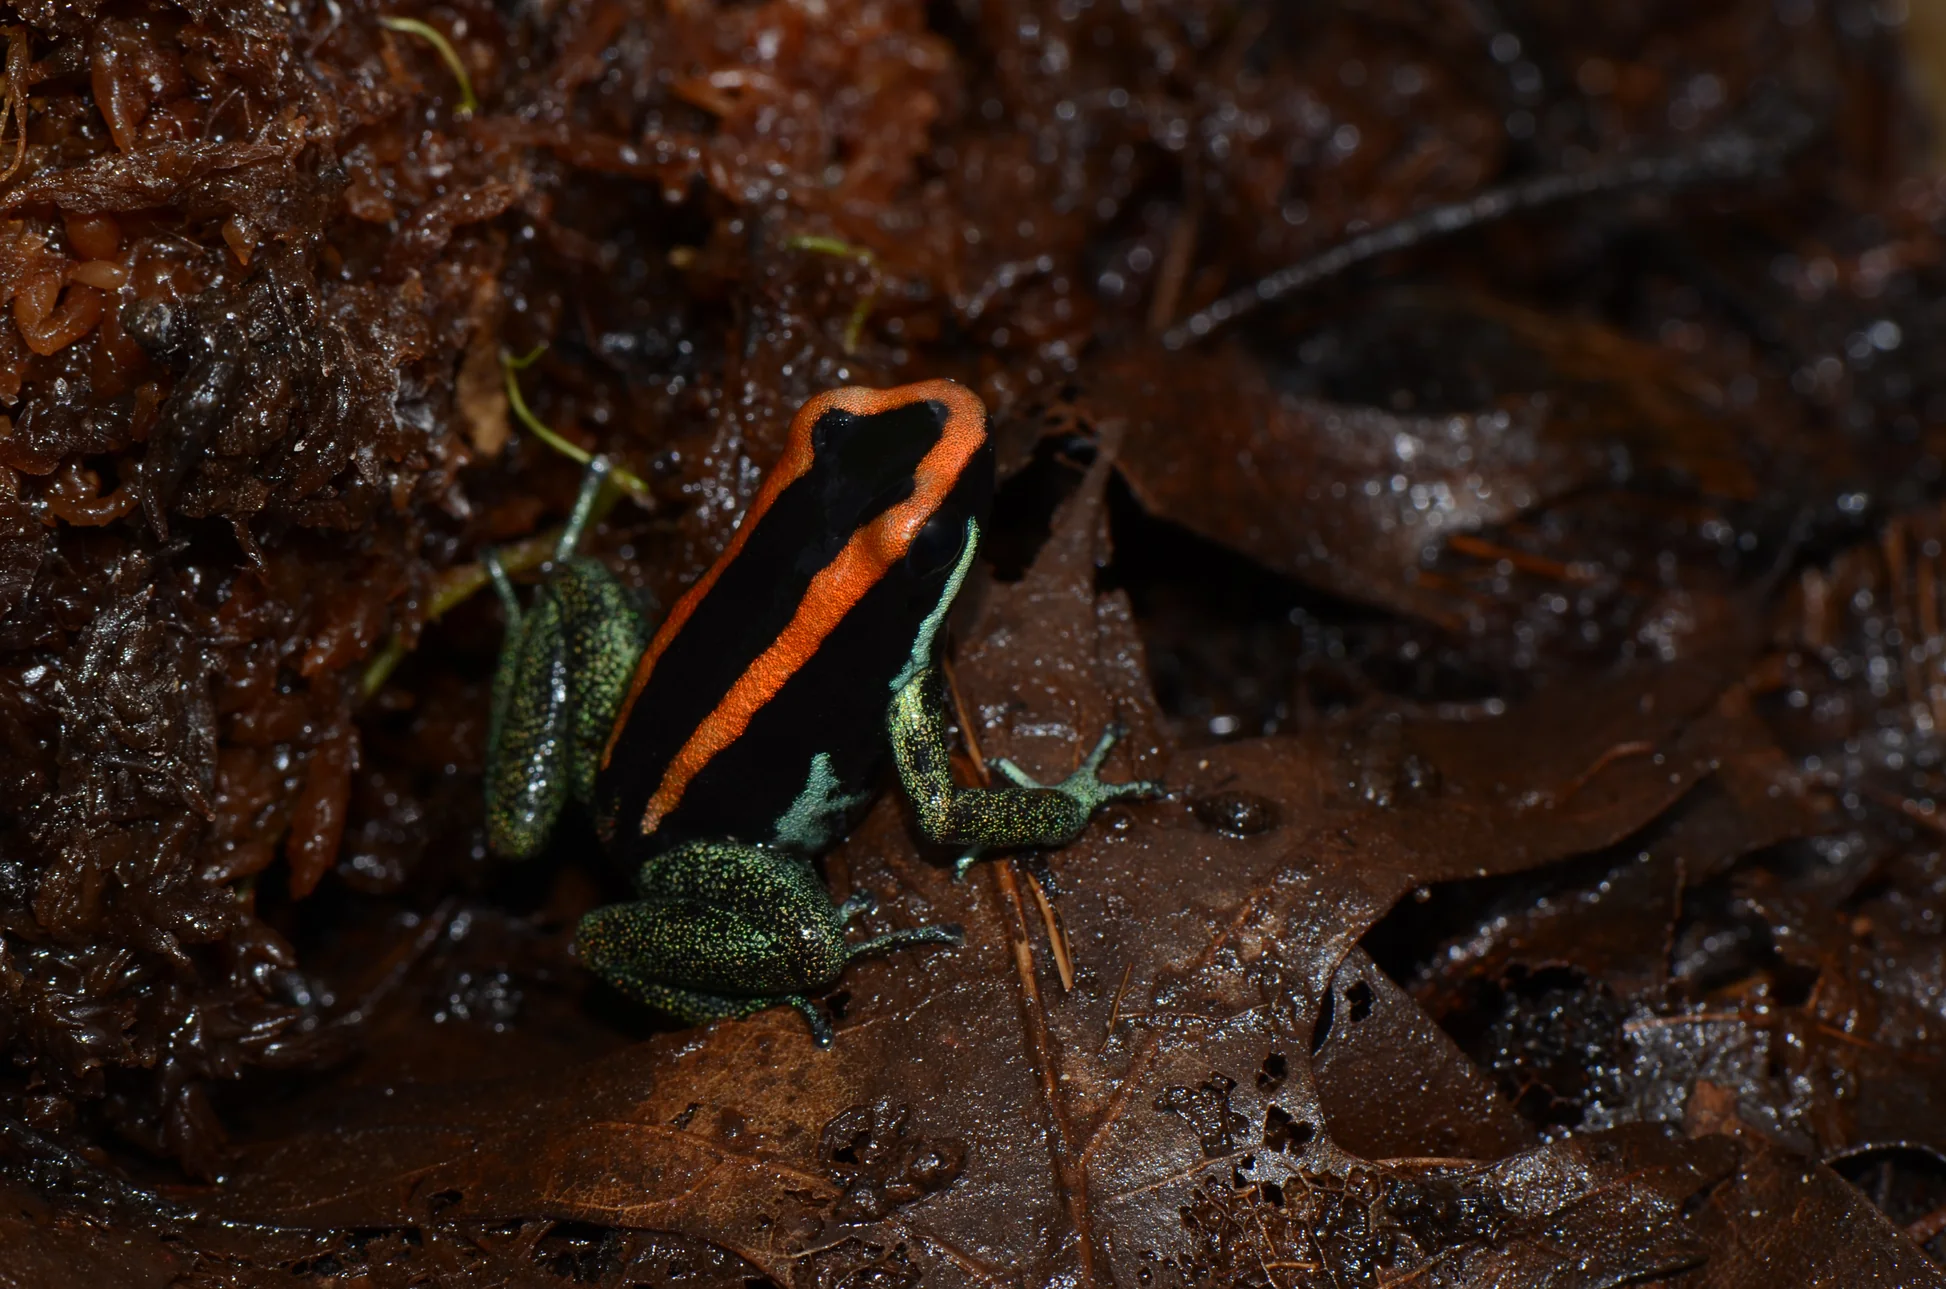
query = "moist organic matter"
x=1487 y=454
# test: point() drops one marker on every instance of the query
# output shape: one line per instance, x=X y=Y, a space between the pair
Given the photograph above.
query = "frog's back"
x=758 y=711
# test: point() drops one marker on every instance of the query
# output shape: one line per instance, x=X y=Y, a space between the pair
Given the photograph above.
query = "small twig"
x=1539 y=565
x=965 y=724
x=1645 y=1023
x=1057 y=931
x=1674 y=928
x=450 y=589
x=1115 y=1011
x=1928 y=592
x=1636 y=747
x=1176 y=257
x=1929 y=1226
x=1057 y=934
x=468 y=105
x=624 y=479
x=1898 y=567
x=1762 y=1020
x=1924 y=816
x=818 y=244
x=435 y=927
x=1734 y=153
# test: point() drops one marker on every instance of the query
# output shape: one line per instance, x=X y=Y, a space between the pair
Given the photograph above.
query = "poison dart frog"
x=724 y=752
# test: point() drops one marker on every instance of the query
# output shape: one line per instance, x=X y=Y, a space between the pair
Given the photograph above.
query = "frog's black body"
x=761 y=713
x=833 y=703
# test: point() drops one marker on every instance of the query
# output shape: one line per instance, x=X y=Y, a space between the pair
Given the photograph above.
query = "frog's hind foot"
x=1084 y=787
x=692 y=1008
x=813 y=1016
x=857 y=903
x=969 y=857
x=911 y=937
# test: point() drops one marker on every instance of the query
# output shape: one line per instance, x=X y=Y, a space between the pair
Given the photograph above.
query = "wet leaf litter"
x=1537 y=623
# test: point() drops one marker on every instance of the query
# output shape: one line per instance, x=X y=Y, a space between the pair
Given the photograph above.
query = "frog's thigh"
x=704 y=948
x=767 y=886
x=685 y=1005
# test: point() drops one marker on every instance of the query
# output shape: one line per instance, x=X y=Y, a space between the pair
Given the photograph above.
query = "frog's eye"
x=936 y=546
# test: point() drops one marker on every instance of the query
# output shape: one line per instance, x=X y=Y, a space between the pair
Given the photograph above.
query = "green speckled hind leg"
x=563 y=671
x=1026 y=814
x=527 y=744
x=725 y=929
x=1084 y=786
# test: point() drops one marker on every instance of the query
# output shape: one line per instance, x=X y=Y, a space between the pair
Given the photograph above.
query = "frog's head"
x=907 y=475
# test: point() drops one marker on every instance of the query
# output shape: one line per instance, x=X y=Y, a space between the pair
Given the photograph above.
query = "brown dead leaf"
x=1425 y=417
x=973 y=1117
x=1346 y=497
x=1784 y=1220
x=1392 y=1084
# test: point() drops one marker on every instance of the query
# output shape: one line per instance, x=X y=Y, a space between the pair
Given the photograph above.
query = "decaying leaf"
x=1537 y=619
x=974 y=1117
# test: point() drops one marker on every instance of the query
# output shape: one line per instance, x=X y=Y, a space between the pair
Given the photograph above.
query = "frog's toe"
x=1015 y=775
x=945 y=933
x=964 y=864
x=1085 y=787
x=1103 y=745
x=1134 y=789
x=813 y=1016
x=858 y=902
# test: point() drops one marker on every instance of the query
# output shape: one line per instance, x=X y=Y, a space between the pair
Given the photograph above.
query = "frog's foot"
x=1083 y=787
x=856 y=903
x=971 y=856
x=906 y=939
x=693 y=1008
x=813 y=1016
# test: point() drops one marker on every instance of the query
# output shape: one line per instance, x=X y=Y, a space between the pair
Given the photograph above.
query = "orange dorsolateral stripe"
x=790 y=467
x=833 y=591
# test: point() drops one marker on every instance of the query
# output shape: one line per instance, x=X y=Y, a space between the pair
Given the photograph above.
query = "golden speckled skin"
x=724 y=928
x=1026 y=814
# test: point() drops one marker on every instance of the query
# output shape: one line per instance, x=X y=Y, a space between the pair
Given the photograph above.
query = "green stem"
x=451 y=589
x=626 y=480
x=468 y=105
x=461 y=583
x=819 y=244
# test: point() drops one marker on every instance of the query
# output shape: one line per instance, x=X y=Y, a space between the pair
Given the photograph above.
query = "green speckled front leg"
x=725 y=929
x=1026 y=814
x=563 y=671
